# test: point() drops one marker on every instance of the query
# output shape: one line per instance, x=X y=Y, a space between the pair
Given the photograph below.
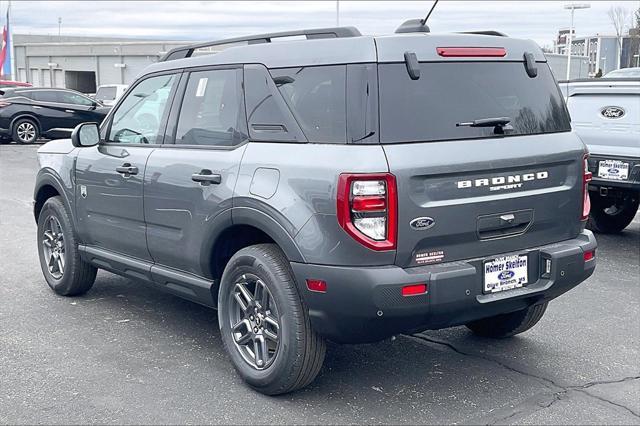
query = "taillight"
x=4 y=104
x=461 y=52
x=367 y=209
x=586 y=178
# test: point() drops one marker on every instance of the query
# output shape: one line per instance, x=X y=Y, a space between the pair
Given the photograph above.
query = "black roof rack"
x=337 y=32
x=487 y=32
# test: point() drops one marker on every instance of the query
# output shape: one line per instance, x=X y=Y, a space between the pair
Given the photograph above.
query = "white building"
x=605 y=52
x=83 y=63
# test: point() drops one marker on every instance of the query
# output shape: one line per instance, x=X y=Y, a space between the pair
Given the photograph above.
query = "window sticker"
x=202 y=87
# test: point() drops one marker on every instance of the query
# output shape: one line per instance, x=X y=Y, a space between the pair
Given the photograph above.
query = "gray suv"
x=342 y=187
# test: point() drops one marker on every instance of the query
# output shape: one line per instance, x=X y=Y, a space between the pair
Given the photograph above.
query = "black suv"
x=29 y=113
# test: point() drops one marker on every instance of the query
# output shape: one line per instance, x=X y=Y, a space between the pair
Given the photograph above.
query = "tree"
x=619 y=17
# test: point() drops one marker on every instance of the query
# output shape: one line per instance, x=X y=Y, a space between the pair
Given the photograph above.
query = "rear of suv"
x=342 y=187
x=606 y=116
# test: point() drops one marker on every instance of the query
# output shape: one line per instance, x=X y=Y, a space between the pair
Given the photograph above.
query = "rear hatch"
x=606 y=116
x=466 y=191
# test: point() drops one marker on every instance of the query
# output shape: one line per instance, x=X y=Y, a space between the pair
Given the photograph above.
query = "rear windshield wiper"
x=486 y=122
x=499 y=124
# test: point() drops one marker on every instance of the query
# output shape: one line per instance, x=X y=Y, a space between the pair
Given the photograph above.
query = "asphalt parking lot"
x=125 y=353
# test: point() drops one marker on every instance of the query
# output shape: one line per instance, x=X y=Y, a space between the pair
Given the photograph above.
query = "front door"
x=188 y=185
x=109 y=176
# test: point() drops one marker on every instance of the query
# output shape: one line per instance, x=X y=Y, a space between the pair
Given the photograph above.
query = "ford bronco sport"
x=342 y=187
x=606 y=115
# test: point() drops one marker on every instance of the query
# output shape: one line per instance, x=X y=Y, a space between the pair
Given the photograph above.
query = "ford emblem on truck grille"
x=612 y=112
x=422 y=223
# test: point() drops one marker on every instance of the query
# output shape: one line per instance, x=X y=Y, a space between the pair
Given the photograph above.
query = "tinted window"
x=44 y=95
x=139 y=117
x=449 y=93
x=316 y=97
x=73 y=98
x=211 y=109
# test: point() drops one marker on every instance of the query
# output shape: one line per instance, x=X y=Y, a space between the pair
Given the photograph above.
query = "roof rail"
x=487 y=32
x=336 y=32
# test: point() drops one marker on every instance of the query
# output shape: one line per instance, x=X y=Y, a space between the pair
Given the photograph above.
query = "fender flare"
x=48 y=177
x=278 y=233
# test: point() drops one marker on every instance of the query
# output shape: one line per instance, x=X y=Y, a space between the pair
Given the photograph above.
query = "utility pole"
x=59 y=26
x=337 y=13
x=572 y=7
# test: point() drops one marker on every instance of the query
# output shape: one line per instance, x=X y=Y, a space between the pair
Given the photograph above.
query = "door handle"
x=69 y=110
x=206 y=177
x=127 y=170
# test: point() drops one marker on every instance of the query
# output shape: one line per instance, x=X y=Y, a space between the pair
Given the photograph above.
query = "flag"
x=5 y=53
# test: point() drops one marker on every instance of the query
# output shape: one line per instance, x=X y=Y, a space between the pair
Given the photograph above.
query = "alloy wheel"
x=26 y=131
x=53 y=245
x=253 y=317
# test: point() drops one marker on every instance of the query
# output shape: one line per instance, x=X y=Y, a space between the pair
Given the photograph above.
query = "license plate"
x=505 y=273
x=613 y=169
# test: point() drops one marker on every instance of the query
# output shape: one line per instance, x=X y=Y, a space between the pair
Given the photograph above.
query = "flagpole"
x=10 y=35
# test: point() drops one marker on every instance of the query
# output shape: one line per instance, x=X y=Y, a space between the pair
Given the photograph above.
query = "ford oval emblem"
x=422 y=223
x=613 y=171
x=505 y=275
x=612 y=112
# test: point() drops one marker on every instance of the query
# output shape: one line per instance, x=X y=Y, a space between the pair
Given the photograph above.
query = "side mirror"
x=85 y=134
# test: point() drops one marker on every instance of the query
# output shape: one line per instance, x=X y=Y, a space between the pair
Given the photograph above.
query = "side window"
x=45 y=96
x=317 y=99
x=73 y=98
x=211 y=112
x=139 y=117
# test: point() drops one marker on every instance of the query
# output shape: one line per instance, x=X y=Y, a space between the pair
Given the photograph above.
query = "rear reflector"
x=317 y=286
x=586 y=178
x=588 y=255
x=462 y=52
x=414 y=289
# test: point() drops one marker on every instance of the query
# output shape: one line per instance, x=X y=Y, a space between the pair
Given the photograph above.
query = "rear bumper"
x=365 y=304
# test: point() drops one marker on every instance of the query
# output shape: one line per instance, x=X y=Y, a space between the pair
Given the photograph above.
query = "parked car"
x=624 y=73
x=108 y=94
x=29 y=113
x=606 y=115
x=10 y=83
x=343 y=187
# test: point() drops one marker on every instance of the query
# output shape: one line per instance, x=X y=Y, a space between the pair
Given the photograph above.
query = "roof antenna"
x=416 y=25
x=424 y=21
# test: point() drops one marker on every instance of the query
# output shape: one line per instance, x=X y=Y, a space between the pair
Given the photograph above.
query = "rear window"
x=106 y=93
x=448 y=93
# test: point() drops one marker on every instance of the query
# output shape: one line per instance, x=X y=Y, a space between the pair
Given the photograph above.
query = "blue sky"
x=177 y=20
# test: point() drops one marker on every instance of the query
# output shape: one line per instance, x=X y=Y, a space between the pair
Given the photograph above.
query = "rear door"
x=465 y=191
x=189 y=182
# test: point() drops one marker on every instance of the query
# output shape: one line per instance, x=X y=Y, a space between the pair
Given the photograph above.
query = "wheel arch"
x=27 y=116
x=236 y=229
x=47 y=186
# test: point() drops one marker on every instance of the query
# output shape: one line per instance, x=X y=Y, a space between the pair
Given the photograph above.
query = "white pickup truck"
x=606 y=115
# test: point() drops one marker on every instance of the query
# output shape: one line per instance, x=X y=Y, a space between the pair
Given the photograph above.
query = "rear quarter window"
x=447 y=93
x=317 y=99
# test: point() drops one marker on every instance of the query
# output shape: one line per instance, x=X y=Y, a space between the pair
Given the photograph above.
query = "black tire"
x=25 y=131
x=507 y=325
x=300 y=350
x=612 y=215
x=77 y=276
